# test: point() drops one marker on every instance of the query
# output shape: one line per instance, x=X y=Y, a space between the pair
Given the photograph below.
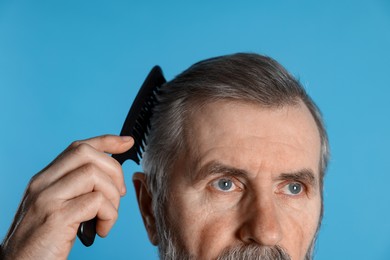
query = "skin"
x=81 y=183
x=260 y=153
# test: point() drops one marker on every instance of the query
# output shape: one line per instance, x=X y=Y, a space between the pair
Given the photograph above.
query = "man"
x=234 y=169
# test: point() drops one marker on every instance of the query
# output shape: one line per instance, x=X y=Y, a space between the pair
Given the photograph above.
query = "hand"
x=81 y=183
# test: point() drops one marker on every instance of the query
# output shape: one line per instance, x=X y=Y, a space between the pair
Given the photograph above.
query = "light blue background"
x=70 y=69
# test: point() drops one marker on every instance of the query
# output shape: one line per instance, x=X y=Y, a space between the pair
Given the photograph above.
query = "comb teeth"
x=142 y=124
x=137 y=123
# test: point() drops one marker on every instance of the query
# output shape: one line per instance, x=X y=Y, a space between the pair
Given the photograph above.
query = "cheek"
x=203 y=228
x=300 y=229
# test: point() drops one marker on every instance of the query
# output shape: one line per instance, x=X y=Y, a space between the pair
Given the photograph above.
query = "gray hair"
x=242 y=77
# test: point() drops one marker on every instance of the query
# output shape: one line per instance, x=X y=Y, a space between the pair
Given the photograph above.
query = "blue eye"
x=225 y=184
x=294 y=188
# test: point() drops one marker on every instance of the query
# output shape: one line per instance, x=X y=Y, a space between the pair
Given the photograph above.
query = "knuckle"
x=89 y=170
x=41 y=202
x=34 y=185
x=93 y=203
x=98 y=197
x=84 y=206
x=82 y=149
x=74 y=144
x=117 y=166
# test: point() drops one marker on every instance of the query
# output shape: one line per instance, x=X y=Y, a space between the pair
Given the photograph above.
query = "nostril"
x=265 y=230
x=251 y=241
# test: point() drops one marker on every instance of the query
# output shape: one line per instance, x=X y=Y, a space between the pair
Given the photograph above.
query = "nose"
x=261 y=224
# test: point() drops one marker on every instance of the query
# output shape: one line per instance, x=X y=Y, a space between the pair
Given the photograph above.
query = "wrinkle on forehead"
x=227 y=128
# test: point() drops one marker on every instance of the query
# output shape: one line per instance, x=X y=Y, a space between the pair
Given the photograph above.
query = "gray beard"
x=170 y=249
x=253 y=251
x=244 y=252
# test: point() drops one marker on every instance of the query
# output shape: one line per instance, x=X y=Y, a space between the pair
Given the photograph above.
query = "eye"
x=224 y=185
x=293 y=188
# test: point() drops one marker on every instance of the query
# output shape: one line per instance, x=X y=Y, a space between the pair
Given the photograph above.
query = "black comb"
x=137 y=125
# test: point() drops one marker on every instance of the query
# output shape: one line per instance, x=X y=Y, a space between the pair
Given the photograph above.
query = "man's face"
x=250 y=176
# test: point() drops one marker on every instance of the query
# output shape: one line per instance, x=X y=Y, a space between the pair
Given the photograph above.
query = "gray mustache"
x=254 y=252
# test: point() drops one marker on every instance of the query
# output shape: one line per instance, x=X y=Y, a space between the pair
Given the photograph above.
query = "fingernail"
x=127 y=138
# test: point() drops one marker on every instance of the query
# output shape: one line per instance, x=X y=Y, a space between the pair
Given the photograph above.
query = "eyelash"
x=235 y=183
x=283 y=185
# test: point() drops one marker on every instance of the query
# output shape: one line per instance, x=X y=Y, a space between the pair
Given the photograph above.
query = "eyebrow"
x=214 y=168
x=305 y=175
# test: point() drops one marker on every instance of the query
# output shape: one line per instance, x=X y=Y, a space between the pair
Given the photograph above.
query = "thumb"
x=113 y=144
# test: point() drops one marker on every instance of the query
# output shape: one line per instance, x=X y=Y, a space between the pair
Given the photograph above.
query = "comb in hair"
x=137 y=122
x=137 y=125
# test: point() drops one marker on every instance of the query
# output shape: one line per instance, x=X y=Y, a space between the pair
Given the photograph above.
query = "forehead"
x=250 y=136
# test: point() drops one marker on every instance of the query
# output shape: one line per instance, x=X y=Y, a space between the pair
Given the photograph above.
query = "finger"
x=112 y=144
x=88 y=178
x=88 y=206
x=77 y=157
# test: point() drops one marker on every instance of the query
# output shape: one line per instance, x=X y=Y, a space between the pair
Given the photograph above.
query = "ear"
x=144 y=199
